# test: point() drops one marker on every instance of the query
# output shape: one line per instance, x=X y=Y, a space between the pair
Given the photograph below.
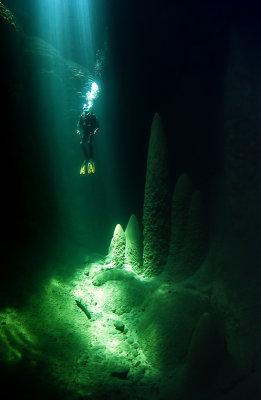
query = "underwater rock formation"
x=165 y=329
x=12 y=43
x=179 y=250
x=195 y=244
x=156 y=210
x=117 y=247
x=242 y=126
x=236 y=252
x=179 y=216
x=8 y=21
x=189 y=239
x=50 y=72
x=206 y=353
x=122 y=292
x=112 y=274
x=9 y=26
x=133 y=250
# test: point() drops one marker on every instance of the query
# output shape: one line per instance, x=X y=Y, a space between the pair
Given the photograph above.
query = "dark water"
x=162 y=57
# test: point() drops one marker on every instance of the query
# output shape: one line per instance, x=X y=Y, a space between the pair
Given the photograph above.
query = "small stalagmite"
x=117 y=247
x=133 y=250
x=179 y=217
x=196 y=240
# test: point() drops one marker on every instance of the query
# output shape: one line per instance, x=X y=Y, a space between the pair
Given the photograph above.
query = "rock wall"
x=242 y=140
x=235 y=249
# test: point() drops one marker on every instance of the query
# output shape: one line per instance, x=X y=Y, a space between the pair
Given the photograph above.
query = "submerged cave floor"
x=27 y=262
x=49 y=346
x=88 y=330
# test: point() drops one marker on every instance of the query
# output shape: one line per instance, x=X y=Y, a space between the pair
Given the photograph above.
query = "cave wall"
x=235 y=254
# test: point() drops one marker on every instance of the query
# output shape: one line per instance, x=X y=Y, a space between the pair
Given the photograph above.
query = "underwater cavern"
x=131 y=200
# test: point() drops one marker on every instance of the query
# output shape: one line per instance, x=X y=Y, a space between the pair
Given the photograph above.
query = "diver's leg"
x=90 y=147
x=85 y=152
x=91 y=165
x=86 y=157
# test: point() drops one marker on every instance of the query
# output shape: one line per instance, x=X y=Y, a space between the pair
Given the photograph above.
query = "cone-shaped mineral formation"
x=179 y=216
x=156 y=212
x=189 y=238
x=133 y=250
x=117 y=247
x=206 y=353
x=196 y=239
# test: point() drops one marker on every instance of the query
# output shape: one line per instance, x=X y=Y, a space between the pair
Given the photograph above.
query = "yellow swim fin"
x=83 y=168
x=91 y=167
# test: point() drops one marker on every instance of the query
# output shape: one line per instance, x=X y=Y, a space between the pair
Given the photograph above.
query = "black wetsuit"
x=88 y=126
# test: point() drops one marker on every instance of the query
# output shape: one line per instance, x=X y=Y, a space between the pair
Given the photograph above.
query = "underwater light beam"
x=91 y=95
x=66 y=24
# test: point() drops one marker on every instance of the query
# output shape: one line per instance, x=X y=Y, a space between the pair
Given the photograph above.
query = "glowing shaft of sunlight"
x=67 y=25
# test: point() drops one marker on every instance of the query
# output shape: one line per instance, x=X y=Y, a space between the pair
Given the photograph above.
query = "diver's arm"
x=97 y=128
x=79 y=126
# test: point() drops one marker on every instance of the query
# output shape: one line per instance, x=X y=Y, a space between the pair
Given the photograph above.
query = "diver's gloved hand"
x=91 y=166
x=83 y=168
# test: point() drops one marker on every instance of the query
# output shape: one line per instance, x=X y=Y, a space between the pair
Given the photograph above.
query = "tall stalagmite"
x=156 y=211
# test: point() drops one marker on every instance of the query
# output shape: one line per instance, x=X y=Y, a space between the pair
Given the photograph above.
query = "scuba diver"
x=87 y=127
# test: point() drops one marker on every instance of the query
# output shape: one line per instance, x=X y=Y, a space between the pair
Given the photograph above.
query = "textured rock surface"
x=179 y=216
x=242 y=132
x=195 y=245
x=50 y=72
x=207 y=352
x=122 y=296
x=189 y=238
x=112 y=274
x=167 y=325
x=8 y=22
x=235 y=250
x=117 y=247
x=12 y=43
x=133 y=251
x=156 y=212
